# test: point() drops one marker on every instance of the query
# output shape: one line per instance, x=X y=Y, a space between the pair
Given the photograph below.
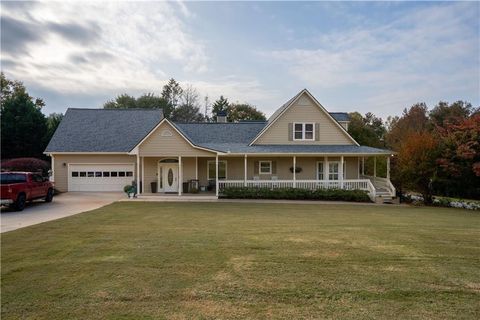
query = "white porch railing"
x=357 y=184
x=382 y=183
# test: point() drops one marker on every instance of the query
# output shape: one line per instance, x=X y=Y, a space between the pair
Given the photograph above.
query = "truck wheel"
x=49 y=195
x=19 y=205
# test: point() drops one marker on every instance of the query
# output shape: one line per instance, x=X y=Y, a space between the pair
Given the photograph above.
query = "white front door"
x=170 y=177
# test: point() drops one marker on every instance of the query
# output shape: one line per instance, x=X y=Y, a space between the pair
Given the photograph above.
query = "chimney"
x=222 y=117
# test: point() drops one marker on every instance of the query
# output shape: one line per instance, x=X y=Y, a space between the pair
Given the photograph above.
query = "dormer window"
x=303 y=131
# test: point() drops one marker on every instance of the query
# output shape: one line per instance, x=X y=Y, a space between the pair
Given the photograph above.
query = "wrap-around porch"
x=210 y=175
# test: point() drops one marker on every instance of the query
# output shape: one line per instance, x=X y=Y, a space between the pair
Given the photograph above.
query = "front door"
x=170 y=177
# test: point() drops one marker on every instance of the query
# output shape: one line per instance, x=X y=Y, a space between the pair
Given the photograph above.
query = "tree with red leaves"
x=415 y=165
x=460 y=158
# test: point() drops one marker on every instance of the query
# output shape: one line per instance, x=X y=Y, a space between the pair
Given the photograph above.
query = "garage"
x=99 y=177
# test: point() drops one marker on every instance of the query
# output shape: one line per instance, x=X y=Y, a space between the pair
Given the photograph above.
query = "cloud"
x=75 y=32
x=130 y=45
x=425 y=53
x=16 y=35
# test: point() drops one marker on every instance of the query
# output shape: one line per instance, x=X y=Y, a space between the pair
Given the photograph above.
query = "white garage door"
x=99 y=177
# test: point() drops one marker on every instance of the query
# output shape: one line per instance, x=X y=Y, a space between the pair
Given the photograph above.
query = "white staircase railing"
x=382 y=183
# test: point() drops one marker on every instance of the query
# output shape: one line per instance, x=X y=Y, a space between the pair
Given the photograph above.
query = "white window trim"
x=213 y=161
x=260 y=167
x=323 y=169
x=304 y=125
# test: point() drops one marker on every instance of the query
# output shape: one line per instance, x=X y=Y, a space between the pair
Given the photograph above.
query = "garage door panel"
x=99 y=177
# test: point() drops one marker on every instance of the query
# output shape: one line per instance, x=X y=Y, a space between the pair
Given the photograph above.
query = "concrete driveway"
x=63 y=205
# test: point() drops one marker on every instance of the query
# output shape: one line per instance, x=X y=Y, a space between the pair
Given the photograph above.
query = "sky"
x=378 y=57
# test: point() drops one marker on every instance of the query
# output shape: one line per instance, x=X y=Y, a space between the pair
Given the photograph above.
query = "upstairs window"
x=303 y=131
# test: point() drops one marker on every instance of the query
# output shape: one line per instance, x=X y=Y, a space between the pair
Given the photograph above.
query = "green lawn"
x=222 y=260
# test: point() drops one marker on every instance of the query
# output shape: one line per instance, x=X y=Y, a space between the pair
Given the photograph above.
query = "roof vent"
x=222 y=117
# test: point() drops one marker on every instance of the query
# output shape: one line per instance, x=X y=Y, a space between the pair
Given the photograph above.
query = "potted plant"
x=129 y=190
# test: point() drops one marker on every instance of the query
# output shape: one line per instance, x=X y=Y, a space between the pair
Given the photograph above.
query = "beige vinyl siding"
x=61 y=171
x=352 y=168
x=175 y=145
x=305 y=110
x=235 y=167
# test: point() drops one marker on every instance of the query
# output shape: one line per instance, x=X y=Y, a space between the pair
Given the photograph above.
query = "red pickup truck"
x=19 y=187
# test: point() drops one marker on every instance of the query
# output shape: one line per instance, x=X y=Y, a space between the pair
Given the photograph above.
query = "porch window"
x=320 y=171
x=303 y=131
x=265 y=167
x=222 y=170
x=333 y=171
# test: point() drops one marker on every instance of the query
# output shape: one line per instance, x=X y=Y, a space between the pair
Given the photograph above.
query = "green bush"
x=294 y=194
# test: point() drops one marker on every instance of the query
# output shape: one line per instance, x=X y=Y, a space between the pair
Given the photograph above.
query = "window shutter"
x=256 y=169
x=290 y=132
x=317 y=132
x=274 y=167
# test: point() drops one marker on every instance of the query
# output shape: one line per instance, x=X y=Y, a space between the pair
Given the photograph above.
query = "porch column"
x=363 y=166
x=294 y=171
x=142 y=181
x=325 y=168
x=245 y=171
x=143 y=175
x=216 y=175
x=138 y=174
x=388 y=167
x=52 y=177
x=196 y=169
x=180 y=176
x=374 y=167
x=341 y=172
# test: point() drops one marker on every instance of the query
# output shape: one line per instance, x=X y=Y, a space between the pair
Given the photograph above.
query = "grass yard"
x=236 y=261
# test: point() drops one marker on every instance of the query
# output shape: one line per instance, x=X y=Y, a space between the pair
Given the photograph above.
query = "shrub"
x=128 y=189
x=26 y=164
x=294 y=194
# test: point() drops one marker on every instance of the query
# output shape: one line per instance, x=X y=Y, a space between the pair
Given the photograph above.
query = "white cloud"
x=137 y=42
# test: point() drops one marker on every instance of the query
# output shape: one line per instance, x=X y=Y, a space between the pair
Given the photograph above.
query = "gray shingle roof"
x=103 y=130
x=323 y=149
x=340 y=116
x=242 y=132
x=120 y=130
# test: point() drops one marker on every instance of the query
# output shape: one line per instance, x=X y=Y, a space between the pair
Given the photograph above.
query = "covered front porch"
x=209 y=175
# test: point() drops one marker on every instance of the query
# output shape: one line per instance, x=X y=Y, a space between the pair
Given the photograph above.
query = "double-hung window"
x=333 y=170
x=303 y=131
x=222 y=170
x=320 y=170
x=265 y=167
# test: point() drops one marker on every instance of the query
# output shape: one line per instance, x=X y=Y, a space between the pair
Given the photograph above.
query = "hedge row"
x=294 y=194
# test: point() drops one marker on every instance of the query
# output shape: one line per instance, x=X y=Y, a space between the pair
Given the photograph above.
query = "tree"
x=189 y=108
x=369 y=130
x=415 y=166
x=244 y=111
x=444 y=114
x=145 y=101
x=460 y=158
x=53 y=120
x=151 y=101
x=171 y=92
x=413 y=120
x=23 y=125
x=123 y=101
x=220 y=105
